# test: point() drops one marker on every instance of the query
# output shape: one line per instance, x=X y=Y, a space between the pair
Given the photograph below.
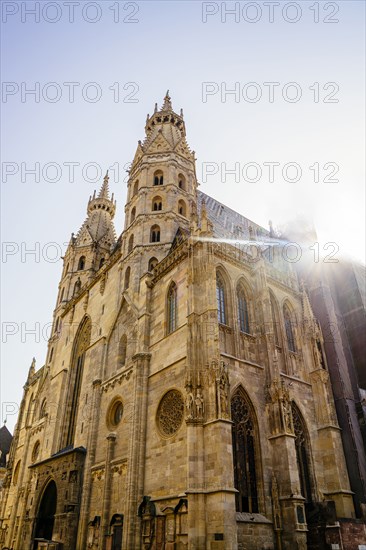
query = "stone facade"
x=185 y=400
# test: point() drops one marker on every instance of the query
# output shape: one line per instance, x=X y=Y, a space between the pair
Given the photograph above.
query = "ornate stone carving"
x=195 y=406
x=222 y=391
x=117 y=380
x=98 y=474
x=278 y=398
x=170 y=412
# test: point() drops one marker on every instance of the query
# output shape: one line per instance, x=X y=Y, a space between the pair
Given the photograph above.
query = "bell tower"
x=161 y=196
x=88 y=250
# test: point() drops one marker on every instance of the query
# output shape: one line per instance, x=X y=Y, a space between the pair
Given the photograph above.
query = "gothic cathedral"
x=185 y=400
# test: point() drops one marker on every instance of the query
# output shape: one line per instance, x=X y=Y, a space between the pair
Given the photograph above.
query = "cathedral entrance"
x=46 y=514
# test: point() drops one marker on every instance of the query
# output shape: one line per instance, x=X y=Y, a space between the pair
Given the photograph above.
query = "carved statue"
x=222 y=388
x=199 y=404
x=190 y=404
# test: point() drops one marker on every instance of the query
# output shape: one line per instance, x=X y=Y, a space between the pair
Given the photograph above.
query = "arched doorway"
x=116 y=526
x=46 y=513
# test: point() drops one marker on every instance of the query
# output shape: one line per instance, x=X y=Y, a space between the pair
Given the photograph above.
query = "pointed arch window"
x=77 y=287
x=275 y=321
x=244 y=454
x=289 y=329
x=62 y=295
x=157 y=204
x=130 y=244
x=221 y=299
x=182 y=182
x=155 y=234
x=122 y=351
x=58 y=326
x=182 y=209
x=81 y=264
x=158 y=177
x=243 y=310
x=133 y=215
x=127 y=277
x=43 y=408
x=172 y=308
x=135 y=187
x=82 y=342
x=302 y=452
x=152 y=263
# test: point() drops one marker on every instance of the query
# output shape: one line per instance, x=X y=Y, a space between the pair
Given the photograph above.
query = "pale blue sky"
x=170 y=47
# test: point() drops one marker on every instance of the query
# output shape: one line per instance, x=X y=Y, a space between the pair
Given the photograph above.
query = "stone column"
x=90 y=457
x=111 y=438
x=136 y=458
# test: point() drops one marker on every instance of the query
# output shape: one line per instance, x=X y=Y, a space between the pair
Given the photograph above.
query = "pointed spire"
x=167 y=105
x=32 y=369
x=104 y=190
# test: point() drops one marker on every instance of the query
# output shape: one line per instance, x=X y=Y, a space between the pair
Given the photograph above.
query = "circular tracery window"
x=170 y=413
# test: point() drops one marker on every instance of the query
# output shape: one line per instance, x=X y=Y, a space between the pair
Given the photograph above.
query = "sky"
x=273 y=100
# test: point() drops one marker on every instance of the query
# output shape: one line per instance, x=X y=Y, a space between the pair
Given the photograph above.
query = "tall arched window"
x=77 y=287
x=157 y=204
x=243 y=311
x=152 y=263
x=172 y=308
x=181 y=182
x=130 y=244
x=155 y=234
x=58 y=325
x=135 y=187
x=127 y=277
x=182 y=209
x=122 y=351
x=289 y=329
x=158 y=177
x=302 y=452
x=81 y=264
x=244 y=453
x=221 y=302
x=62 y=295
x=82 y=342
x=133 y=214
x=43 y=408
x=275 y=321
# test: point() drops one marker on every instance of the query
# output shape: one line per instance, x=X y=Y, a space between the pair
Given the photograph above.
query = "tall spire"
x=103 y=201
x=32 y=369
x=167 y=105
x=104 y=190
